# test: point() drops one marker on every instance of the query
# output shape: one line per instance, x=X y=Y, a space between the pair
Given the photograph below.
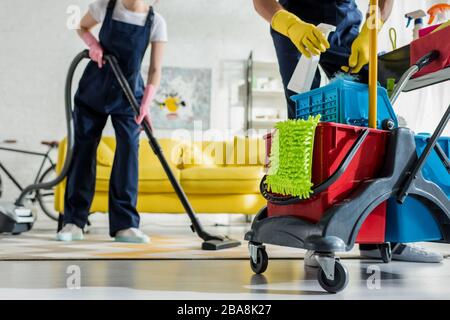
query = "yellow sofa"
x=218 y=177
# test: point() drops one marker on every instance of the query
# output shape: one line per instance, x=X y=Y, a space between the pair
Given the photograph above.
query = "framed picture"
x=184 y=97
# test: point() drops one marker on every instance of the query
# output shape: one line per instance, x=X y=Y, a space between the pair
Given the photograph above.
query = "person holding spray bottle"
x=128 y=27
x=294 y=32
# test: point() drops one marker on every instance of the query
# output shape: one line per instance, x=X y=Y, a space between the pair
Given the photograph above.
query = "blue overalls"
x=98 y=97
x=343 y=14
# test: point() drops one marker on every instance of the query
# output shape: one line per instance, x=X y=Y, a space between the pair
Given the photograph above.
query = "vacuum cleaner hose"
x=70 y=134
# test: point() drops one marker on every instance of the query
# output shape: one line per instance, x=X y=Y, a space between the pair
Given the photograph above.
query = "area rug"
x=170 y=241
x=43 y=246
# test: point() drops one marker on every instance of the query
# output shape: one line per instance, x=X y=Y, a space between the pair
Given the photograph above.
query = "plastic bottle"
x=303 y=76
x=418 y=24
x=440 y=11
x=417 y=16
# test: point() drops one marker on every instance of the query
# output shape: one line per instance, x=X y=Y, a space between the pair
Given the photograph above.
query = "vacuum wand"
x=211 y=242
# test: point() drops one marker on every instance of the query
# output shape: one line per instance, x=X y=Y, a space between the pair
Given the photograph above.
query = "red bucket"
x=332 y=143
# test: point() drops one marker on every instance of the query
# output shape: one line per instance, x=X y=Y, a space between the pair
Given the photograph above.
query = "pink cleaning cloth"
x=425 y=31
x=439 y=41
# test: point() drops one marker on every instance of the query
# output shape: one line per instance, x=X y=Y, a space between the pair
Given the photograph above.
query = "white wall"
x=36 y=48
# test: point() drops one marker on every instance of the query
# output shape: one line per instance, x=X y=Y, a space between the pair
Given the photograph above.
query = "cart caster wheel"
x=339 y=282
x=386 y=252
x=388 y=124
x=262 y=261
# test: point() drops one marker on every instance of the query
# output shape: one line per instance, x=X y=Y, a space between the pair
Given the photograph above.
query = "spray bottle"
x=417 y=16
x=440 y=11
x=304 y=73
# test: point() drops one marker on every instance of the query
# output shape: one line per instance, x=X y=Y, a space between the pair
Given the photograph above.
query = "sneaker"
x=310 y=259
x=406 y=252
x=70 y=232
x=131 y=235
x=414 y=253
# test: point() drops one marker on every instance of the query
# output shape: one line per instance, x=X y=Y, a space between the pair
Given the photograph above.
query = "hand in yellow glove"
x=308 y=39
x=360 y=49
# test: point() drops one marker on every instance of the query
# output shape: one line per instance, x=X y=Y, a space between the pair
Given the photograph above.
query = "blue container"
x=343 y=101
x=433 y=169
x=413 y=221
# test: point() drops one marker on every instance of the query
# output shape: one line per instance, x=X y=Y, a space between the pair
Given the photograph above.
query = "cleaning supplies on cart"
x=303 y=76
x=393 y=38
x=439 y=11
x=427 y=30
x=417 y=16
x=291 y=156
x=434 y=41
x=442 y=26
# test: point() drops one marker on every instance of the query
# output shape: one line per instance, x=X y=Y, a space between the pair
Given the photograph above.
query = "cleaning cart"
x=352 y=191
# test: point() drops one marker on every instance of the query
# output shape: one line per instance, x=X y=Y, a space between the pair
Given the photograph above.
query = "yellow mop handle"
x=373 y=63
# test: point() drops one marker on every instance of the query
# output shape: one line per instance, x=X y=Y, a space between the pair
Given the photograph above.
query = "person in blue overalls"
x=128 y=27
x=294 y=33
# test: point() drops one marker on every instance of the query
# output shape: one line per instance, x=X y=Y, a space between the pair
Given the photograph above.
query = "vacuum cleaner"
x=15 y=218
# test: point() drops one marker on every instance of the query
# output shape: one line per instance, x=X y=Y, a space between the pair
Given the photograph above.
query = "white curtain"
x=422 y=108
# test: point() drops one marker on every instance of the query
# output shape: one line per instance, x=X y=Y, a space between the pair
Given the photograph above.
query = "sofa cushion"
x=222 y=180
x=172 y=150
x=204 y=153
x=152 y=177
x=247 y=152
x=105 y=155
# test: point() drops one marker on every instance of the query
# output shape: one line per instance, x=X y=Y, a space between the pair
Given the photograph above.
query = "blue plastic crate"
x=343 y=101
x=413 y=221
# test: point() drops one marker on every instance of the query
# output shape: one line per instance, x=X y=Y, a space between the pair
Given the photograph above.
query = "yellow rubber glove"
x=360 y=49
x=306 y=37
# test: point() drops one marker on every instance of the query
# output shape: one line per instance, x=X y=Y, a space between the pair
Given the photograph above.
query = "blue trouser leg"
x=288 y=57
x=80 y=188
x=123 y=187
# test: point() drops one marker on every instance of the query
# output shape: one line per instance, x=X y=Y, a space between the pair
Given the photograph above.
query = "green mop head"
x=291 y=158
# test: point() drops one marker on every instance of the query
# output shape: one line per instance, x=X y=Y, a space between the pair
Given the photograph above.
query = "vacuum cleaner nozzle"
x=224 y=243
x=15 y=219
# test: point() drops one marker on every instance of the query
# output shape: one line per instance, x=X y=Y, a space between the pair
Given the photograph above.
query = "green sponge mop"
x=291 y=157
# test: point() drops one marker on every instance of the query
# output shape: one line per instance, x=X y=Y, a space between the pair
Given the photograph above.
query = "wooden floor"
x=209 y=279
x=285 y=279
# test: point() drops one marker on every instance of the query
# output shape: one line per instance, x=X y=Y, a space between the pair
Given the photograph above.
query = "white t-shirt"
x=98 y=8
